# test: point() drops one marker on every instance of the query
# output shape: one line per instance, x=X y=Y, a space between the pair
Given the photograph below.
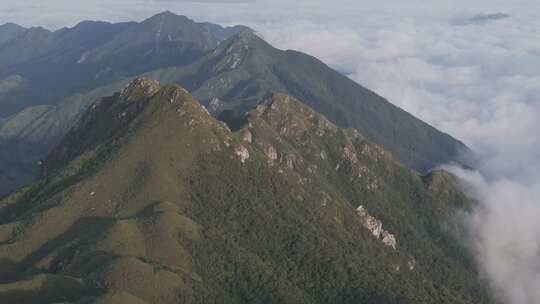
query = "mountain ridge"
x=95 y=53
x=231 y=78
x=9 y=31
x=242 y=78
x=164 y=203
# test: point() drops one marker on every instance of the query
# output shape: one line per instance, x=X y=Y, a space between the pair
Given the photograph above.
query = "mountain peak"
x=235 y=50
x=144 y=88
x=89 y=24
x=168 y=15
x=179 y=98
x=140 y=87
x=111 y=117
x=289 y=114
x=165 y=13
x=245 y=37
x=10 y=25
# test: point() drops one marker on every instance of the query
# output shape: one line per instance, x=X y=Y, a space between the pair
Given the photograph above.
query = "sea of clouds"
x=450 y=63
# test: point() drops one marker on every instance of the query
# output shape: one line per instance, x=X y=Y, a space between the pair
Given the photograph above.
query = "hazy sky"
x=58 y=13
x=475 y=78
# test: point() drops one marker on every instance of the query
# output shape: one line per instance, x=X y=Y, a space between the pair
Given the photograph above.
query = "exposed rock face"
x=290 y=160
x=376 y=228
x=325 y=199
x=215 y=106
x=271 y=153
x=242 y=153
x=388 y=239
x=141 y=86
x=247 y=136
x=235 y=53
x=411 y=264
x=350 y=155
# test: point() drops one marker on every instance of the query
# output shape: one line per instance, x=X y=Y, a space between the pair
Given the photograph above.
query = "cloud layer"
x=480 y=82
x=504 y=232
x=475 y=77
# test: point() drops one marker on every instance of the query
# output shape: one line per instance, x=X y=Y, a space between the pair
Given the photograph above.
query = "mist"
x=450 y=63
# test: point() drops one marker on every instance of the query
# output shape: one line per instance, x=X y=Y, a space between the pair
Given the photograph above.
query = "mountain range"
x=150 y=199
x=174 y=161
x=50 y=78
x=53 y=65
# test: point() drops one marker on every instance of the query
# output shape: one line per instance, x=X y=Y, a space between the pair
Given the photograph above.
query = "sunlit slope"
x=152 y=200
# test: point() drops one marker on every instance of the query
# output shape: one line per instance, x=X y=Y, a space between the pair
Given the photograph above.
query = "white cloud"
x=505 y=232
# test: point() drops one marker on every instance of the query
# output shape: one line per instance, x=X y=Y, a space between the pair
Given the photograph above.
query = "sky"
x=474 y=77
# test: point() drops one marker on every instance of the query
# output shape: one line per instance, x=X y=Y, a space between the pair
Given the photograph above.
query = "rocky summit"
x=150 y=199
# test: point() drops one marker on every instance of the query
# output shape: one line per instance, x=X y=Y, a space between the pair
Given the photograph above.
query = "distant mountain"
x=152 y=200
x=9 y=31
x=229 y=79
x=74 y=60
x=482 y=19
x=27 y=137
x=245 y=68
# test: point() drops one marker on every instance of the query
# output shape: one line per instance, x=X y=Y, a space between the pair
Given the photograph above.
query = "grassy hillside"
x=152 y=200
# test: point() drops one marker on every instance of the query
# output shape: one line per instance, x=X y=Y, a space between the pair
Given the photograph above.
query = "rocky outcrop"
x=271 y=153
x=376 y=227
x=247 y=136
x=242 y=153
x=412 y=264
x=140 y=87
x=215 y=106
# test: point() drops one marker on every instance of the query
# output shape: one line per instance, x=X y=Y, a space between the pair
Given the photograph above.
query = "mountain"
x=228 y=79
x=47 y=79
x=245 y=68
x=27 y=137
x=9 y=31
x=97 y=53
x=26 y=45
x=482 y=19
x=149 y=199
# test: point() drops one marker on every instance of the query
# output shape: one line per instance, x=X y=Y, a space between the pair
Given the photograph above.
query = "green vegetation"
x=165 y=205
x=245 y=69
